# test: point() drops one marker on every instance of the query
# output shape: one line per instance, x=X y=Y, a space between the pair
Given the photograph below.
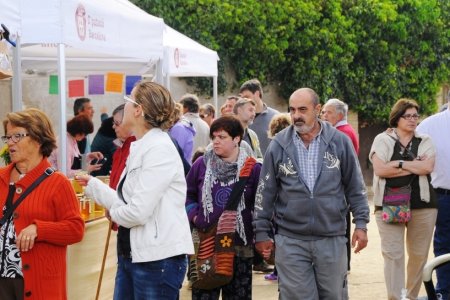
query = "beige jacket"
x=383 y=146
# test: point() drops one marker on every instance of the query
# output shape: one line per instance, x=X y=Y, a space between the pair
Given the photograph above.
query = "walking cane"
x=105 y=253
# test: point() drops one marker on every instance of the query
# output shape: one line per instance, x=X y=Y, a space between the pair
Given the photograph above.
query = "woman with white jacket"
x=154 y=235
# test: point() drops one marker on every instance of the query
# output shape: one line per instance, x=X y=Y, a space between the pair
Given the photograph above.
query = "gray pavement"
x=366 y=279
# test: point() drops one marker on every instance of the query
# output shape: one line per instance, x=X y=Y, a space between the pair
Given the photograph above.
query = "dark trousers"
x=11 y=288
x=441 y=243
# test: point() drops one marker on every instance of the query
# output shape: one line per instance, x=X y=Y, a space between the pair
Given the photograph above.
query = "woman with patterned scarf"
x=209 y=185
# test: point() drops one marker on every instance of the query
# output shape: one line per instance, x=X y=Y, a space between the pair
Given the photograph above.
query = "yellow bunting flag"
x=114 y=82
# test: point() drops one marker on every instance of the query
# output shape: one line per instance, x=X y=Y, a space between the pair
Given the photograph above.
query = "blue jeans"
x=441 y=243
x=160 y=279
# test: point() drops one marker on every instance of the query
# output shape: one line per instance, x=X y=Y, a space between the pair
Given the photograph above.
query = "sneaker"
x=262 y=267
x=271 y=277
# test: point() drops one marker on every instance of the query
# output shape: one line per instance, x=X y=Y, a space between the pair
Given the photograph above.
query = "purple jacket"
x=220 y=194
x=183 y=132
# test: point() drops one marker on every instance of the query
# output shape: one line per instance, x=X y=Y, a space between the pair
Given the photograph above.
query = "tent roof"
x=184 y=57
x=114 y=27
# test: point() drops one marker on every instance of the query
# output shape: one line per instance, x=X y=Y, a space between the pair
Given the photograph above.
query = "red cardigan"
x=54 y=208
x=119 y=160
x=351 y=133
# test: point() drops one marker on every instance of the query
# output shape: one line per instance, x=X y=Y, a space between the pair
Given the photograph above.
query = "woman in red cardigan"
x=33 y=241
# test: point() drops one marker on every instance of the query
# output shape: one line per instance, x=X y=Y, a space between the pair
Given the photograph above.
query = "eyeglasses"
x=17 y=137
x=411 y=116
x=117 y=123
x=134 y=102
x=130 y=100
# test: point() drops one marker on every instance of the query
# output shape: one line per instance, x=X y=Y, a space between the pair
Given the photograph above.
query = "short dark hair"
x=252 y=85
x=228 y=123
x=106 y=128
x=190 y=102
x=78 y=105
x=400 y=108
x=80 y=124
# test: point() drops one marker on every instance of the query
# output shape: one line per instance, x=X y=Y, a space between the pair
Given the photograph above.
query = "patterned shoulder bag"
x=212 y=264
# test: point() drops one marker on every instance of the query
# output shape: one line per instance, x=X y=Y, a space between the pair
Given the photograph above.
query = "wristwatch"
x=400 y=164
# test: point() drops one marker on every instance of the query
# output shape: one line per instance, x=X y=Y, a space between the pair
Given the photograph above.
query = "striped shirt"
x=308 y=159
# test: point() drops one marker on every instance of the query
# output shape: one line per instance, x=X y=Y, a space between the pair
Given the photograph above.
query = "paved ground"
x=366 y=280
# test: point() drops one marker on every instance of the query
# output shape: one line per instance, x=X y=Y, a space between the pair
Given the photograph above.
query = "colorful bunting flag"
x=76 y=88
x=130 y=81
x=53 y=85
x=114 y=82
x=96 y=84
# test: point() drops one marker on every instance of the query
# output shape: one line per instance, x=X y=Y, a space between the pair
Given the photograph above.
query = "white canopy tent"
x=184 y=57
x=79 y=36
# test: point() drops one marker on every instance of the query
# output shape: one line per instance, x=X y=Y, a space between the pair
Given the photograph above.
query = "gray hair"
x=340 y=106
x=118 y=109
x=208 y=109
x=241 y=102
x=191 y=102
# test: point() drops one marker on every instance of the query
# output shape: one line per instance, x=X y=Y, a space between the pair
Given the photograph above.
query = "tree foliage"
x=369 y=53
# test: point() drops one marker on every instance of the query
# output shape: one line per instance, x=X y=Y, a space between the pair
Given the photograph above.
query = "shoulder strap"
x=119 y=189
x=406 y=150
x=403 y=147
x=239 y=186
x=8 y=213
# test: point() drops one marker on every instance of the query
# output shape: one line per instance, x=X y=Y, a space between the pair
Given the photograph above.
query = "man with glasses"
x=438 y=127
x=208 y=113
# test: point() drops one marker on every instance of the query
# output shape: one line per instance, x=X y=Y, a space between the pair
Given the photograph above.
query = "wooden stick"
x=105 y=253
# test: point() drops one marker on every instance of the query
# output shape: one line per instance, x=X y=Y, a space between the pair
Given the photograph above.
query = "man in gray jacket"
x=310 y=178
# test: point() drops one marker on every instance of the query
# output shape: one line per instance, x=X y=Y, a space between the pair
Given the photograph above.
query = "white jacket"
x=155 y=192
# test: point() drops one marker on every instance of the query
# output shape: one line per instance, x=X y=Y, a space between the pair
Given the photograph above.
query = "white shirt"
x=438 y=128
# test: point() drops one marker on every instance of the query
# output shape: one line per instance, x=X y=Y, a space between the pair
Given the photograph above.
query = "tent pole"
x=216 y=104
x=62 y=153
x=17 y=78
x=159 y=72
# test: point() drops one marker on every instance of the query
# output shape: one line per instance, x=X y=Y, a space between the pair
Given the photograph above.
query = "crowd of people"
x=175 y=169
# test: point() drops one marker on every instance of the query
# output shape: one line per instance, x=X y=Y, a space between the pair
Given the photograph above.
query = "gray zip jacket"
x=282 y=194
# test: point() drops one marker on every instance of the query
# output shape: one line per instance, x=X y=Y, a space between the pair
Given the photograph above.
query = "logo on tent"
x=176 y=56
x=80 y=21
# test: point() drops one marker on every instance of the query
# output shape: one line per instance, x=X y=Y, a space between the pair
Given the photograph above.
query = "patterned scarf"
x=225 y=173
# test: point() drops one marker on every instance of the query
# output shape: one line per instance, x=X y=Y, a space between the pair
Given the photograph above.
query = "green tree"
x=369 y=53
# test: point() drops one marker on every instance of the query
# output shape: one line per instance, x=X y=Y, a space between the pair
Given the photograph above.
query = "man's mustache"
x=299 y=120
